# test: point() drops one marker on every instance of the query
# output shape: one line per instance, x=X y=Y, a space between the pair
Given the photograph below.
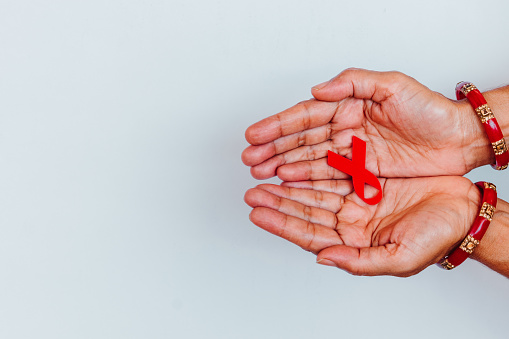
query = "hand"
x=418 y=222
x=410 y=131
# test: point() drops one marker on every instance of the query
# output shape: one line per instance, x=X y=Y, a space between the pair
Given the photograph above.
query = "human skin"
x=410 y=130
x=493 y=251
x=419 y=221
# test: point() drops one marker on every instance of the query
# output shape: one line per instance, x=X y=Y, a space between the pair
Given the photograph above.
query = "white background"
x=121 y=185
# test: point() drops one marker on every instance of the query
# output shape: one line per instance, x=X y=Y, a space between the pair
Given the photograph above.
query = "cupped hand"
x=410 y=131
x=417 y=223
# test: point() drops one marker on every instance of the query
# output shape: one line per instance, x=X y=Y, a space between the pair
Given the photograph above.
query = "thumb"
x=379 y=260
x=360 y=84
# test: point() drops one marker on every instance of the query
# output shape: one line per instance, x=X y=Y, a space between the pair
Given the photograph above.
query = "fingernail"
x=326 y=262
x=320 y=86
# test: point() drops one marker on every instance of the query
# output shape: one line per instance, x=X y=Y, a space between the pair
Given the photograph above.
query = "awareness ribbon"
x=357 y=169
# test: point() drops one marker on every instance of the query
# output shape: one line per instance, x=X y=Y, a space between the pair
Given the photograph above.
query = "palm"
x=413 y=227
x=410 y=131
x=402 y=134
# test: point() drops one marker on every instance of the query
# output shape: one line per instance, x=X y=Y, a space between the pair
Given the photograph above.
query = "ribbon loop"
x=356 y=168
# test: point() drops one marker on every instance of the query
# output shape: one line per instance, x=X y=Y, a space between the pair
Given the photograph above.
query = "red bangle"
x=481 y=223
x=490 y=124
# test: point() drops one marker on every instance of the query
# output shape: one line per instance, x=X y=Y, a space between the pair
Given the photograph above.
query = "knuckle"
x=310 y=154
x=328 y=131
x=318 y=198
x=301 y=139
x=307 y=213
x=348 y=73
x=330 y=172
x=351 y=70
x=310 y=230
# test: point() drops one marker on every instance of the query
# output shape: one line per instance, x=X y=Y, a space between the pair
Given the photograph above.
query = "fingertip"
x=249 y=156
x=328 y=90
x=245 y=157
x=255 y=133
x=263 y=131
x=282 y=174
x=248 y=196
x=250 y=134
x=256 y=216
x=320 y=86
x=267 y=219
x=268 y=168
x=261 y=173
x=326 y=262
x=291 y=172
x=318 y=93
x=255 y=155
x=343 y=257
x=251 y=214
x=252 y=197
x=259 y=197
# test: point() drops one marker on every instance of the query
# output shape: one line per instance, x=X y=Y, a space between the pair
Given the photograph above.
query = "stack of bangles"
x=488 y=190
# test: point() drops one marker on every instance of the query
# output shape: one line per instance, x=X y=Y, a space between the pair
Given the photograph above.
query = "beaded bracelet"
x=490 y=124
x=481 y=223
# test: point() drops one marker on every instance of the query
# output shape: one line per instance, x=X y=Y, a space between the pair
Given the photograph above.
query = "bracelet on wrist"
x=468 y=90
x=478 y=229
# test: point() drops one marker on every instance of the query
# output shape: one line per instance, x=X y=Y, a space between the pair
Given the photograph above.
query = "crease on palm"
x=390 y=146
x=408 y=211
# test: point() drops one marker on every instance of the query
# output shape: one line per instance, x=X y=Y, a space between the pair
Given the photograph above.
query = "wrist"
x=487 y=202
x=476 y=146
x=498 y=100
x=466 y=216
x=477 y=149
x=474 y=198
x=493 y=250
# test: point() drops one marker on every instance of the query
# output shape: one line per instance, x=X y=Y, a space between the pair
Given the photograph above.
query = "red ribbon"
x=357 y=169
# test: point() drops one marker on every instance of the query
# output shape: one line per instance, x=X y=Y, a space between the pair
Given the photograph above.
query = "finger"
x=308 y=197
x=309 y=170
x=314 y=169
x=342 y=145
x=268 y=168
x=380 y=260
x=254 y=155
x=303 y=116
x=259 y=197
x=361 y=84
x=309 y=236
x=341 y=187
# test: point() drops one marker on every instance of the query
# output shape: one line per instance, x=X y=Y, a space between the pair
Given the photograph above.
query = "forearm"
x=493 y=250
x=498 y=100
